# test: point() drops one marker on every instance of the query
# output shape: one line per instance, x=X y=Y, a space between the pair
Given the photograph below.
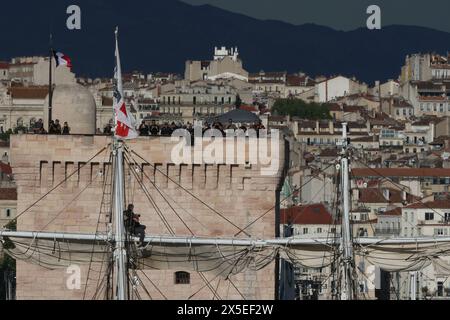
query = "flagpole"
x=120 y=252
x=50 y=82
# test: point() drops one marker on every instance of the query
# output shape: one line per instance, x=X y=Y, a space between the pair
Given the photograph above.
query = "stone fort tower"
x=239 y=192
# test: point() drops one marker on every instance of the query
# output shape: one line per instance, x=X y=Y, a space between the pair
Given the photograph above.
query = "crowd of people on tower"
x=166 y=129
x=54 y=128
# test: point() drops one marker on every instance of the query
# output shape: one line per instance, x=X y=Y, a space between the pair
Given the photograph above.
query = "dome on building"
x=76 y=105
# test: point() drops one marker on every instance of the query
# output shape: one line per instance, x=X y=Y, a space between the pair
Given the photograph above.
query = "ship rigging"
x=122 y=262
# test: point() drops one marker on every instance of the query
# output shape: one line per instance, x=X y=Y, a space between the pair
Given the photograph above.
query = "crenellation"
x=232 y=190
x=186 y=176
x=199 y=176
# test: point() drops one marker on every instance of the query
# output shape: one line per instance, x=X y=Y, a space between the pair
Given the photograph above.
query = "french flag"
x=62 y=60
x=125 y=122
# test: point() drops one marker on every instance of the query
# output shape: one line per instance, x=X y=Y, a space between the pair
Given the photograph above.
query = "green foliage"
x=6 y=135
x=301 y=109
x=21 y=129
x=7 y=263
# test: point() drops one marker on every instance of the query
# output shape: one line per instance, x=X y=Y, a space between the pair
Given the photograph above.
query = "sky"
x=341 y=14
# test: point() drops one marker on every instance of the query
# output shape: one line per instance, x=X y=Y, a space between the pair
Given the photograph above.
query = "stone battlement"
x=238 y=191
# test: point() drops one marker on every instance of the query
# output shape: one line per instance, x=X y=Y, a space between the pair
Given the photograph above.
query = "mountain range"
x=160 y=35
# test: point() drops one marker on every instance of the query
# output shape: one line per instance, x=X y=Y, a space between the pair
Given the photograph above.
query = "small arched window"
x=182 y=277
x=8 y=213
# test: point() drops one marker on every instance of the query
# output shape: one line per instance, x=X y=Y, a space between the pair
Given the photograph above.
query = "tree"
x=20 y=129
x=5 y=136
x=301 y=109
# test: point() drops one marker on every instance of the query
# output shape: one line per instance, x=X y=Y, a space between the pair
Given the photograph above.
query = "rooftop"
x=309 y=214
x=393 y=212
x=401 y=172
x=438 y=204
x=5 y=168
x=28 y=92
x=8 y=194
x=376 y=195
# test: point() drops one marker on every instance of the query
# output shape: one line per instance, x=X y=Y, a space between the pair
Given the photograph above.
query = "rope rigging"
x=57 y=186
x=192 y=195
x=136 y=177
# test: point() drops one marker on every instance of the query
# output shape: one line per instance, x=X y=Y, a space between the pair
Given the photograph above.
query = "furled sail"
x=55 y=253
x=225 y=257
x=402 y=257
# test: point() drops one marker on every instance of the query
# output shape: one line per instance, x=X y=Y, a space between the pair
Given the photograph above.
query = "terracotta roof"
x=4 y=65
x=310 y=214
x=334 y=107
x=362 y=96
x=438 y=204
x=249 y=108
x=4 y=144
x=368 y=222
x=353 y=109
x=329 y=153
x=28 y=92
x=8 y=194
x=427 y=121
x=256 y=81
x=297 y=81
x=432 y=98
x=394 y=212
x=5 y=168
x=401 y=172
x=403 y=104
x=376 y=195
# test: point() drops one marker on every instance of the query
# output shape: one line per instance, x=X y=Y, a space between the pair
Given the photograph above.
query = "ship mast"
x=347 y=291
x=120 y=252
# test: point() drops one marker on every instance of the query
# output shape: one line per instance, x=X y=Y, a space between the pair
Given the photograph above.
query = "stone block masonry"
x=238 y=192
